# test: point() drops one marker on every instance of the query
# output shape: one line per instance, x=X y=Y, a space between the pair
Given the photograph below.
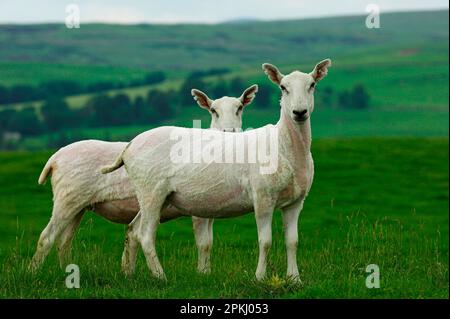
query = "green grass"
x=14 y=73
x=374 y=200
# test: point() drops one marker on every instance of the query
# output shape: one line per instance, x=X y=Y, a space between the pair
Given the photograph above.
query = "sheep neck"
x=294 y=139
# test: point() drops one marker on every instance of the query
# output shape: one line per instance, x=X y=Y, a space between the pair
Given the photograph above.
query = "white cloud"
x=176 y=11
x=120 y=14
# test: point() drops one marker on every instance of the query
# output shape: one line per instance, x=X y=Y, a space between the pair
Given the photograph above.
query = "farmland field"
x=377 y=201
x=406 y=99
x=401 y=105
x=36 y=73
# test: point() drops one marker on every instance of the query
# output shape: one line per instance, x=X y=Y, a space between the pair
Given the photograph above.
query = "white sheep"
x=79 y=186
x=216 y=190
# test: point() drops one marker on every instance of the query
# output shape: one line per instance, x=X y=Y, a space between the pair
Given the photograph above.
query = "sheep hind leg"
x=130 y=248
x=57 y=224
x=64 y=242
x=151 y=203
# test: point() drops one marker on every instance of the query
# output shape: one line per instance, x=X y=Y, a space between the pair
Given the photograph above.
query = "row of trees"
x=102 y=110
x=99 y=111
x=354 y=98
x=120 y=110
x=234 y=87
x=62 y=88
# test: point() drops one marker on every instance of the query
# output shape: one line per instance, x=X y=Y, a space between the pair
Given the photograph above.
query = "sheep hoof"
x=294 y=279
x=204 y=271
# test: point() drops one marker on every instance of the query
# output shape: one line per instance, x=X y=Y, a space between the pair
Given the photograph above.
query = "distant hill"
x=403 y=67
x=241 y=20
x=189 y=47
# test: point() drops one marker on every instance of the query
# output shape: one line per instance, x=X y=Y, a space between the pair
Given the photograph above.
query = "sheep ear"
x=202 y=99
x=248 y=95
x=321 y=70
x=273 y=73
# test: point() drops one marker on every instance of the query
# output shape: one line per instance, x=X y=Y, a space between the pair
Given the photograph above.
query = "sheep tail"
x=46 y=171
x=118 y=163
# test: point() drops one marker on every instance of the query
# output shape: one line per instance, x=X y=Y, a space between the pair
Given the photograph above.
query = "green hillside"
x=34 y=73
x=189 y=47
x=403 y=66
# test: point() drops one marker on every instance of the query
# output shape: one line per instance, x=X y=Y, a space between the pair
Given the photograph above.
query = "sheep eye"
x=312 y=86
x=238 y=110
x=283 y=88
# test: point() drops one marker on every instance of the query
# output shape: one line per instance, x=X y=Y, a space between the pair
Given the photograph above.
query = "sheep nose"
x=300 y=113
x=300 y=116
x=229 y=130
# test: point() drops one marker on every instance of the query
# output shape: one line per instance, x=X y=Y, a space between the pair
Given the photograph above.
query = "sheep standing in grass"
x=79 y=186
x=220 y=190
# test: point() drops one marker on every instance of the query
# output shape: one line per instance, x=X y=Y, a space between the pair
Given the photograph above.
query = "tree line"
x=61 y=88
x=103 y=110
x=354 y=98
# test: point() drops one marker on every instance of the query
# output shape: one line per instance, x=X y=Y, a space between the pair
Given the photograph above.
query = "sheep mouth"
x=300 y=119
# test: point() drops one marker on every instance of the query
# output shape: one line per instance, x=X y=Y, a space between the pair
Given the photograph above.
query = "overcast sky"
x=205 y=11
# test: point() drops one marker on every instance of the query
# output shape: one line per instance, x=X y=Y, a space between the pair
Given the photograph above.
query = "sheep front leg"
x=290 y=225
x=203 y=231
x=263 y=215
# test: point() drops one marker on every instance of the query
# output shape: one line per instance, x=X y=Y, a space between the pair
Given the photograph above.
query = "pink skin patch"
x=125 y=210
x=118 y=211
x=231 y=203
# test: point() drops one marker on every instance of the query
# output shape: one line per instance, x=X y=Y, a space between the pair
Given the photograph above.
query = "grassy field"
x=14 y=73
x=374 y=200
